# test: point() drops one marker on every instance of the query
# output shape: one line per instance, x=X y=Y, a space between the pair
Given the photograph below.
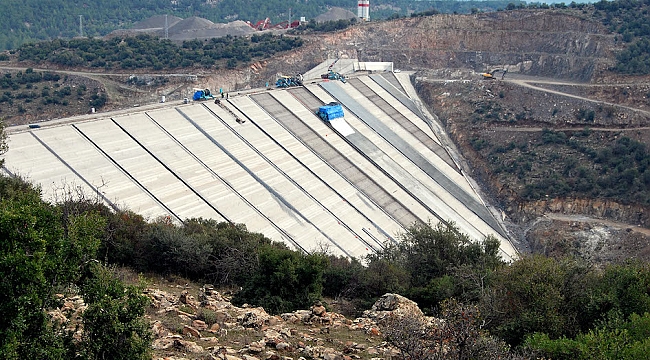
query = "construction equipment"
x=202 y=94
x=287 y=81
x=491 y=74
x=333 y=75
x=330 y=111
x=267 y=25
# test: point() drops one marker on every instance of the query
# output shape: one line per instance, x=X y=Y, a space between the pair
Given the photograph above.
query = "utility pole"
x=81 y=27
x=166 y=28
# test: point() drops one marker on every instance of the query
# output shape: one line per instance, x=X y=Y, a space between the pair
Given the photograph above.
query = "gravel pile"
x=156 y=22
x=187 y=29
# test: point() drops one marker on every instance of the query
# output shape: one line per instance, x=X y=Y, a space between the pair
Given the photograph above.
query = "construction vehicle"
x=491 y=74
x=267 y=25
x=333 y=75
x=287 y=81
x=202 y=94
x=330 y=111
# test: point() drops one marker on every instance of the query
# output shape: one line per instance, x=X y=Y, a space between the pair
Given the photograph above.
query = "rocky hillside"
x=557 y=43
x=208 y=326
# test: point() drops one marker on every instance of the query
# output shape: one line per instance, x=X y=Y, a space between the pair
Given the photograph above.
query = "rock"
x=283 y=346
x=392 y=304
x=162 y=344
x=254 y=318
x=257 y=346
x=199 y=325
x=186 y=298
x=188 y=330
x=215 y=327
x=318 y=310
x=189 y=346
x=185 y=317
x=57 y=317
x=332 y=356
x=159 y=330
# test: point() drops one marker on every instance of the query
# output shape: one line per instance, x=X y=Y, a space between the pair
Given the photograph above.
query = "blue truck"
x=202 y=94
x=330 y=111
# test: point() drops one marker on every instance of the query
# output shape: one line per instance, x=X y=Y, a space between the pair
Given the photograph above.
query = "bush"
x=208 y=316
x=284 y=280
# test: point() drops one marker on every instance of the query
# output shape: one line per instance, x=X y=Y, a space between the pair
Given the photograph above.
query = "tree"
x=113 y=324
x=3 y=141
x=284 y=280
x=43 y=252
x=441 y=262
x=455 y=334
x=532 y=295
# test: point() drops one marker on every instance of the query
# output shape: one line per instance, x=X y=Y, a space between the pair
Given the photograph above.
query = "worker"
x=222 y=95
x=226 y=95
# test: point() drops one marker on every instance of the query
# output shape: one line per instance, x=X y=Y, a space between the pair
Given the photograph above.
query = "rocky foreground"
x=209 y=326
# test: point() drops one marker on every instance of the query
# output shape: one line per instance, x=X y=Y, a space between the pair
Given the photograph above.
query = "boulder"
x=188 y=330
x=318 y=310
x=392 y=305
x=199 y=325
x=254 y=318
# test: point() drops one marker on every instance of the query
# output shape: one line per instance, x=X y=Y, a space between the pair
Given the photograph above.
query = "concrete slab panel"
x=29 y=159
x=135 y=160
x=221 y=193
x=99 y=171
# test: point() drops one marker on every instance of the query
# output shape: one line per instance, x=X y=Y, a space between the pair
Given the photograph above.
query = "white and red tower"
x=363 y=12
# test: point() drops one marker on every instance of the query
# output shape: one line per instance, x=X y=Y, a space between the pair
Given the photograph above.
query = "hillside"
x=559 y=144
x=30 y=20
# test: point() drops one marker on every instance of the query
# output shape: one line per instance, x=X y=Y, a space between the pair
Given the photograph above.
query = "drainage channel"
x=334 y=158
x=398 y=94
x=128 y=174
x=375 y=247
x=414 y=156
x=392 y=79
x=251 y=173
x=291 y=180
x=404 y=122
x=223 y=216
x=391 y=169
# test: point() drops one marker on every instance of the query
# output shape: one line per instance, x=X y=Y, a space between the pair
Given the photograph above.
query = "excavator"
x=491 y=75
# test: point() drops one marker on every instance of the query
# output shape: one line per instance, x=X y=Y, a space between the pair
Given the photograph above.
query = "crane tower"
x=363 y=11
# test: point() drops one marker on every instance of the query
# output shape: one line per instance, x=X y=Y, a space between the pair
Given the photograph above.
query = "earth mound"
x=156 y=22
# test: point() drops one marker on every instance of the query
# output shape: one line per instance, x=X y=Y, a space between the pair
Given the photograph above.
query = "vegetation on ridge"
x=145 y=51
x=30 y=20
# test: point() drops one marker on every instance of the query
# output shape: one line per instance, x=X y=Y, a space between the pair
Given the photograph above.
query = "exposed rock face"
x=542 y=43
x=631 y=214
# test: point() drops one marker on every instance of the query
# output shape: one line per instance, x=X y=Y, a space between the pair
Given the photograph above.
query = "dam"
x=263 y=158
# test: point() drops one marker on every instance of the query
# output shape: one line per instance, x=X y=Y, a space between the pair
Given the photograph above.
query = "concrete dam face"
x=267 y=160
